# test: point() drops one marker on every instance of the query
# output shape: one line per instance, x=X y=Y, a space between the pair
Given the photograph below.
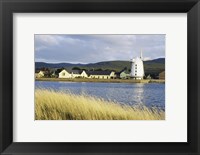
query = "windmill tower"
x=137 y=67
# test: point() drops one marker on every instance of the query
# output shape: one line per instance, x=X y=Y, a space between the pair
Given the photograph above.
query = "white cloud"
x=95 y=48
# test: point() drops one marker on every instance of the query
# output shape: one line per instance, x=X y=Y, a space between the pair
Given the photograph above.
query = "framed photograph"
x=117 y=77
x=92 y=77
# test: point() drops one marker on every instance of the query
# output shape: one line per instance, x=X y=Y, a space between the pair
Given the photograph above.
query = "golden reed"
x=51 y=105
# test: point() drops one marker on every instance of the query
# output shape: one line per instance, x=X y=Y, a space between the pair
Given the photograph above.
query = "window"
x=63 y=74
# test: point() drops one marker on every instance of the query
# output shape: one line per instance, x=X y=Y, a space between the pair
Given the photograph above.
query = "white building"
x=64 y=74
x=101 y=74
x=73 y=74
x=78 y=74
x=39 y=74
x=137 y=68
x=84 y=74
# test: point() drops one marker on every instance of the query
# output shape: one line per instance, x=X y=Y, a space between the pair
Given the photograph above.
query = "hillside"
x=153 y=67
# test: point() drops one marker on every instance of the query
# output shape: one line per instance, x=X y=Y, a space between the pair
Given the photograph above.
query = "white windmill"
x=137 y=67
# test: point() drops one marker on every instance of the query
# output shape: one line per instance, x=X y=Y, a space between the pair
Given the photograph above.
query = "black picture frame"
x=8 y=7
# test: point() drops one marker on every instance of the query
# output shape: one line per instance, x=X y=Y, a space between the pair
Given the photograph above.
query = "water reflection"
x=138 y=94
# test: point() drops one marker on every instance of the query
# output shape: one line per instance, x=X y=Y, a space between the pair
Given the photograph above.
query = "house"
x=39 y=74
x=123 y=74
x=79 y=74
x=64 y=74
x=101 y=74
x=76 y=73
x=162 y=75
x=43 y=72
x=84 y=74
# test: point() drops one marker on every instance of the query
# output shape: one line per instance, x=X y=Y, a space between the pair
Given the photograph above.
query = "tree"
x=84 y=69
x=76 y=68
x=44 y=69
x=99 y=69
x=58 y=70
x=125 y=68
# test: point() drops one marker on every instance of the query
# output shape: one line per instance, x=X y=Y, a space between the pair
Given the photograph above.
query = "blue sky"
x=97 y=48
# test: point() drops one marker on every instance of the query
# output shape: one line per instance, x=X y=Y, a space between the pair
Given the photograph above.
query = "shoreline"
x=102 y=80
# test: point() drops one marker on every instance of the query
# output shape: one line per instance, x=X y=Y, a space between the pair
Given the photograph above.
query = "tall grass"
x=51 y=105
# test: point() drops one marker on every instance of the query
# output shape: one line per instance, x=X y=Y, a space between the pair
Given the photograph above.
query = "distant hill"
x=159 y=60
x=154 y=67
x=52 y=65
x=151 y=66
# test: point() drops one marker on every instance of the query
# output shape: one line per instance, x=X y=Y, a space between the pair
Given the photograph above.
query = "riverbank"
x=51 y=105
x=102 y=80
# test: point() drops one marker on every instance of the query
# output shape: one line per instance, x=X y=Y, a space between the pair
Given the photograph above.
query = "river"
x=150 y=94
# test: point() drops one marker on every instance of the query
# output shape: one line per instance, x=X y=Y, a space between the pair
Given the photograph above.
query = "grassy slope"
x=151 y=67
x=50 y=105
